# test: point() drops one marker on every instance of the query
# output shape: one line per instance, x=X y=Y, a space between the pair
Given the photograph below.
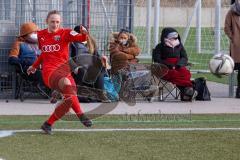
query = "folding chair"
x=25 y=87
x=137 y=81
x=171 y=90
x=166 y=89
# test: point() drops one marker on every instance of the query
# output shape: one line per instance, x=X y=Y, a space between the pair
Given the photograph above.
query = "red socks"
x=70 y=101
x=76 y=106
x=60 y=111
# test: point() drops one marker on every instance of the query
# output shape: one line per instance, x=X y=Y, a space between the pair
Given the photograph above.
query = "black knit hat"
x=77 y=28
x=169 y=32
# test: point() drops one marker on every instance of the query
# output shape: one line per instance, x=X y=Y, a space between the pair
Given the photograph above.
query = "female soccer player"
x=53 y=42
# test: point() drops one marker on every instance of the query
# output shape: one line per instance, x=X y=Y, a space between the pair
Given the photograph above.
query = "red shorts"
x=51 y=76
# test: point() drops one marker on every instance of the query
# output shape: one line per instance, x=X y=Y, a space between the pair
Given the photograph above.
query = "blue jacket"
x=27 y=54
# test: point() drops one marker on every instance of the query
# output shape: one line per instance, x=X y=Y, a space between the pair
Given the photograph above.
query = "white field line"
x=126 y=129
x=6 y=133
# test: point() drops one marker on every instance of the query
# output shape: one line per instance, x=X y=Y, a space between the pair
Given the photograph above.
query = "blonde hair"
x=91 y=45
x=51 y=13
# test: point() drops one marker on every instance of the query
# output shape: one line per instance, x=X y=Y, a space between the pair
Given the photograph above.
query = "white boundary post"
x=198 y=26
x=156 y=21
x=218 y=26
x=148 y=26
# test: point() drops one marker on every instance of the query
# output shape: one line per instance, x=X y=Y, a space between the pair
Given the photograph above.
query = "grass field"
x=122 y=145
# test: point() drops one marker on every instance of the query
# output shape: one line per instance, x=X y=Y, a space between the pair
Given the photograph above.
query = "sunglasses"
x=175 y=38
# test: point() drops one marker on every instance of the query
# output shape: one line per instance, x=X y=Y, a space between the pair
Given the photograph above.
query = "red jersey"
x=55 y=49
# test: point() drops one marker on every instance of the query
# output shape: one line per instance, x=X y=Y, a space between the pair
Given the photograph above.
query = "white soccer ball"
x=221 y=64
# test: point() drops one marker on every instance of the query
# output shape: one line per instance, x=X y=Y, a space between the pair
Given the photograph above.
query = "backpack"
x=200 y=85
x=112 y=94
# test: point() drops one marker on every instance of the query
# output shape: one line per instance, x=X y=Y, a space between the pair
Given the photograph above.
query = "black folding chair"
x=166 y=89
x=26 y=87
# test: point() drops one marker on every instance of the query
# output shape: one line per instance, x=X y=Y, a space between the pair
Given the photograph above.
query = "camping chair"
x=170 y=89
x=26 y=87
x=137 y=81
x=166 y=89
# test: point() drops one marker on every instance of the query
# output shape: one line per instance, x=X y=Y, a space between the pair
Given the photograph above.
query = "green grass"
x=123 y=145
x=125 y=121
x=212 y=78
x=142 y=145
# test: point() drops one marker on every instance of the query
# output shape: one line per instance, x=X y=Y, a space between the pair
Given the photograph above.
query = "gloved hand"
x=178 y=66
x=170 y=66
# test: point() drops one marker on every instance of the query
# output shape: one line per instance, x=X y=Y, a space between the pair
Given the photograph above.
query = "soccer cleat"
x=85 y=120
x=47 y=128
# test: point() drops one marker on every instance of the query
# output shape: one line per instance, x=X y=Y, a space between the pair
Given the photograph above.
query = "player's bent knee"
x=63 y=82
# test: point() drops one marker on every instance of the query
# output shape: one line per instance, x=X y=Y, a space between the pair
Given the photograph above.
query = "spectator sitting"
x=88 y=47
x=25 y=50
x=171 y=52
x=123 y=50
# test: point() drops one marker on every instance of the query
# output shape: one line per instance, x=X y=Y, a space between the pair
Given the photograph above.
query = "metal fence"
x=101 y=16
x=145 y=18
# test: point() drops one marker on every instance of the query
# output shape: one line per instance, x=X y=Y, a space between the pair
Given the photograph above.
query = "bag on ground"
x=200 y=86
x=112 y=94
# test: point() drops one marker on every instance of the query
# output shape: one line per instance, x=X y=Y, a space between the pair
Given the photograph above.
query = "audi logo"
x=51 y=48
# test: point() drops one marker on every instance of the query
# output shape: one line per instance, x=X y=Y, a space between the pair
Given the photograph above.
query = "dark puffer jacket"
x=162 y=51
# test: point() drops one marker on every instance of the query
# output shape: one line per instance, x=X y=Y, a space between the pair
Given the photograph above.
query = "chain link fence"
x=103 y=17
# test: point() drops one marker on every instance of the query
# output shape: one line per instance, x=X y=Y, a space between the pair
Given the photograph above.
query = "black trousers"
x=237 y=67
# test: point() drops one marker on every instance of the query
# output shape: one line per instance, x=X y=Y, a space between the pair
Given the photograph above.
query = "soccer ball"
x=221 y=64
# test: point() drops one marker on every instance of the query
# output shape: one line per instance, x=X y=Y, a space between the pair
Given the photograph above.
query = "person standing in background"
x=232 y=30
